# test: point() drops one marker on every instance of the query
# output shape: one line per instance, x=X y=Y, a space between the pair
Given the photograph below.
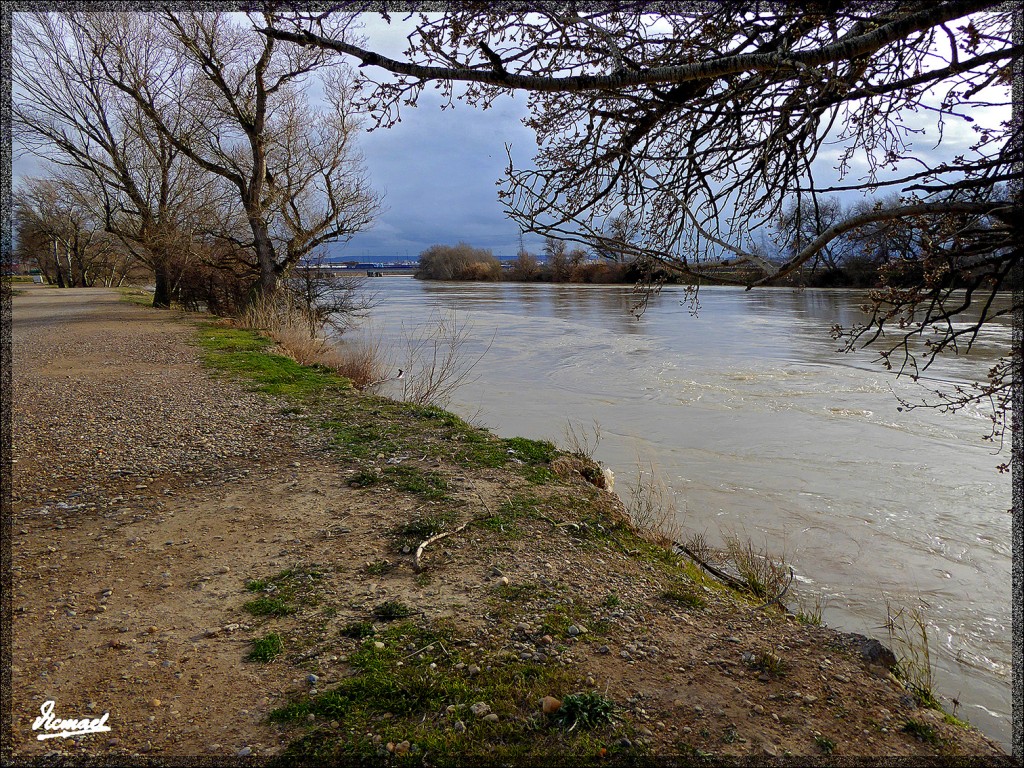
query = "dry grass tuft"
x=652 y=508
x=361 y=362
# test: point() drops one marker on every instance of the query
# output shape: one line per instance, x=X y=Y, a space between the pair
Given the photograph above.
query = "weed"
x=762 y=575
x=582 y=442
x=908 y=636
x=364 y=362
x=922 y=731
x=651 y=506
x=268 y=606
x=379 y=567
x=358 y=630
x=812 y=615
x=436 y=363
x=683 y=596
x=612 y=600
x=825 y=744
x=586 y=710
x=767 y=662
x=266 y=648
x=256 y=585
x=364 y=478
x=391 y=610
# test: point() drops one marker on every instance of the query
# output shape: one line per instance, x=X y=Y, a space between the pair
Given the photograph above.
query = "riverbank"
x=171 y=521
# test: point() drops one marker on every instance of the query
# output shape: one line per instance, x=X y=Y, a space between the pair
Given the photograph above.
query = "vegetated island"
x=235 y=554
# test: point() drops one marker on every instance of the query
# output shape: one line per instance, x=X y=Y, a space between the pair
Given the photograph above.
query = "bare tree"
x=57 y=232
x=296 y=177
x=702 y=123
x=142 y=189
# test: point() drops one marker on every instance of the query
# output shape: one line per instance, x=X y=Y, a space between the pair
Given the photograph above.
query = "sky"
x=438 y=172
x=437 y=169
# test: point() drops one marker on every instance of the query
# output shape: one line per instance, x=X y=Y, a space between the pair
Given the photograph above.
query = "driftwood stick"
x=716 y=572
x=423 y=545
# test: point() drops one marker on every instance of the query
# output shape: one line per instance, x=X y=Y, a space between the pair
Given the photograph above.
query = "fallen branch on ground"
x=716 y=572
x=419 y=550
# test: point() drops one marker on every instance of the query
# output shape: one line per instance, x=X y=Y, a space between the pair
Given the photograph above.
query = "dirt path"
x=148 y=493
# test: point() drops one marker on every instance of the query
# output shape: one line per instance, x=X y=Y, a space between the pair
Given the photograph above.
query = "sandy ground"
x=147 y=493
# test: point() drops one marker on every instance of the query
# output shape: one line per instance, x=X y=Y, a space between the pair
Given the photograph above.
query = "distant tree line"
x=885 y=252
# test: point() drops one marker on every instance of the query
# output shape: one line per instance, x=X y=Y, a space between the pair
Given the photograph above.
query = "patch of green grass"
x=408 y=701
x=523 y=592
x=825 y=744
x=379 y=567
x=292 y=585
x=136 y=296
x=515 y=507
x=558 y=620
x=358 y=630
x=390 y=610
x=954 y=720
x=429 y=485
x=531 y=451
x=921 y=731
x=612 y=600
x=245 y=354
x=266 y=648
x=585 y=710
x=424 y=526
x=268 y=606
x=684 y=596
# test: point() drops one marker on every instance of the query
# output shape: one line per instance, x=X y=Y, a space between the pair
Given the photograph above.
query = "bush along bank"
x=514 y=614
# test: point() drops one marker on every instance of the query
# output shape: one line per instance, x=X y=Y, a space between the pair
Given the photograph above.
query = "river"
x=762 y=429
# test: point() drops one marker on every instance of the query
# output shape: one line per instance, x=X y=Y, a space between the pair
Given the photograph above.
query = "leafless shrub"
x=458 y=262
x=436 y=361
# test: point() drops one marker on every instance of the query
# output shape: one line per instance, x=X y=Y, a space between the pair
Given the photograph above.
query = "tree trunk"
x=162 y=295
x=269 y=276
x=56 y=266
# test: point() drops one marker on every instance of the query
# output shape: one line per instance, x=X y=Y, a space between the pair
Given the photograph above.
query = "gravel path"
x=166 y=421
